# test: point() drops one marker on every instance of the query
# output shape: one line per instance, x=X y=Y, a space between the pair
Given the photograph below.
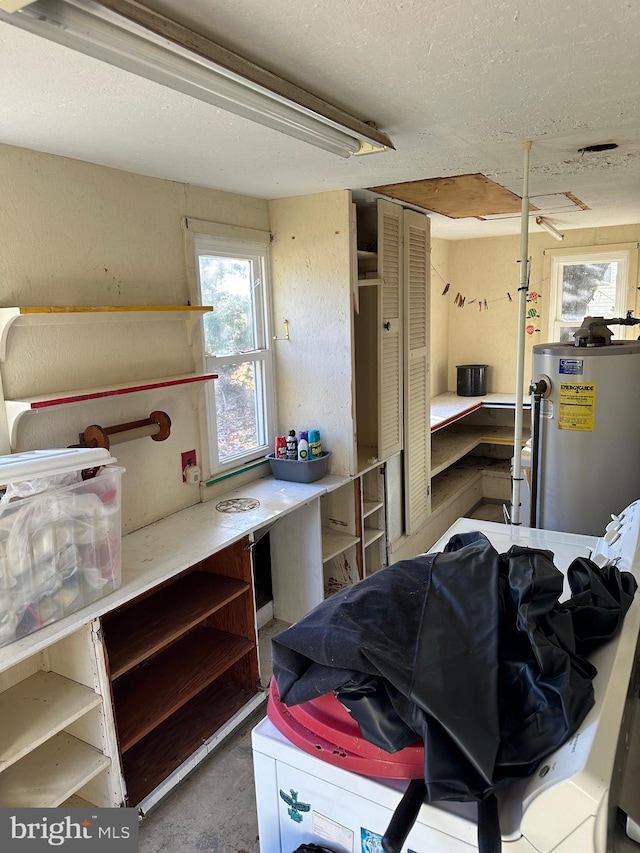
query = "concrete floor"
x=214 y=811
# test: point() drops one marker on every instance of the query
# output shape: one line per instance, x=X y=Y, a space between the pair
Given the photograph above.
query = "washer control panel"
x=621 y=541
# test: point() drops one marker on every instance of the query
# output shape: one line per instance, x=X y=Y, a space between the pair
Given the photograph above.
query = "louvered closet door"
x=417 y=436
x=390 y=270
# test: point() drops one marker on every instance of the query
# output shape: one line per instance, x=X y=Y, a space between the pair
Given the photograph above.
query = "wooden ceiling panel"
x=456 y=197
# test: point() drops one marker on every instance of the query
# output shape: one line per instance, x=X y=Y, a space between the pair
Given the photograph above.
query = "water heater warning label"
x=577 y=406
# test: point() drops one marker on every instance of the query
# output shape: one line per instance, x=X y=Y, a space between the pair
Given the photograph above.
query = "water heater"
x=589 y=434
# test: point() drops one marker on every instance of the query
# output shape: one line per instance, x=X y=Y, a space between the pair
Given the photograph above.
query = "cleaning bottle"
x=292 y=445
x=315 y=445
x=303 y=446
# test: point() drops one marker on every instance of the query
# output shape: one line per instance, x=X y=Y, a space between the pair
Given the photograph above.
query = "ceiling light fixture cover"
x=549 y=228
x=104 y=34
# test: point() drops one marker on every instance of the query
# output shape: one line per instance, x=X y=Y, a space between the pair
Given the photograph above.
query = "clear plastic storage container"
x=60 y=535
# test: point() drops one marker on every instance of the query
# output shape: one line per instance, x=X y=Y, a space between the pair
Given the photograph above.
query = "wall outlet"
x=188 y=458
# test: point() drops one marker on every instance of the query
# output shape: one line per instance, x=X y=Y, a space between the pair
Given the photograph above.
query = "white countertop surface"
x=449 y=407
x=166 y=547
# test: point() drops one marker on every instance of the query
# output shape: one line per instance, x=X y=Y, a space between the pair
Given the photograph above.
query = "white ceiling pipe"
x=516 y=477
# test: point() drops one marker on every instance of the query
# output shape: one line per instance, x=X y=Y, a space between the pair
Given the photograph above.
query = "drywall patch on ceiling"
x=457 y=197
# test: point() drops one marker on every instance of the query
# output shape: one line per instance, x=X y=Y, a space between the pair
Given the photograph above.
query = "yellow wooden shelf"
x=40 y=314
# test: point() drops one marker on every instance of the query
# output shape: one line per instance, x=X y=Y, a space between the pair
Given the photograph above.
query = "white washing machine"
x=568 y=806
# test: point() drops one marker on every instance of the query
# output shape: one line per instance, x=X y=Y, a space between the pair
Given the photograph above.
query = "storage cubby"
x=182 y=661
x=341 y=543
x=54 y=738
x=374 y=524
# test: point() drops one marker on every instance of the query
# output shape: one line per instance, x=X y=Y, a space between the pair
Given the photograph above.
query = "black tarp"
x=468 y=649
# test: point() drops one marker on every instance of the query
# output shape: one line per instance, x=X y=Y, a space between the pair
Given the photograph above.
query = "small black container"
x=472 y=380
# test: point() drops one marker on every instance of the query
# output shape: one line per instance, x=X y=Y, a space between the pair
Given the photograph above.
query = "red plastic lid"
x=323 y=727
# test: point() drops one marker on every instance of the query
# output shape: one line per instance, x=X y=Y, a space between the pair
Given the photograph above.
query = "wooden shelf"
x=156 y=756
x=76 y=802
x=36 y=709
x=452 y=482
x=369 y=507
x=371 y=535
x=334 y=543
x=17 y=408
x=51 y=774
x=139 y=631
x=455 y=442
x=150 y=694
x=40 y=314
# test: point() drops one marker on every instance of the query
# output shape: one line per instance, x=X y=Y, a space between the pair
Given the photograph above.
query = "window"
x=586 y=283
x=232 y=275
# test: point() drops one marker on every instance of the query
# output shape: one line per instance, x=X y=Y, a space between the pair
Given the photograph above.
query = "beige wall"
x=488 y=269
x=80 y=234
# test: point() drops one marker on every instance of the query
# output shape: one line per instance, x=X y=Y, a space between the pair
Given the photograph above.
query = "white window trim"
x=260 y=240
x=627 y=253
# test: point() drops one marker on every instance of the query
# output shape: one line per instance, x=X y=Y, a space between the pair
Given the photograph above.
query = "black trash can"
x=472 y=380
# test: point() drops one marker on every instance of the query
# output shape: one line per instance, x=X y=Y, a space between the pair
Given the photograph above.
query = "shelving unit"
x=471 y=439
x=25 y=727
x=14 y=317
x=49 y=775
x=34 y=315
x=341 y=542
x=182 y=661
x=374 y=522
x=54 y=744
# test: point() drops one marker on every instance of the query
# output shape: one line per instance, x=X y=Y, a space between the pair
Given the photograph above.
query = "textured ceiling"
x=458 y=85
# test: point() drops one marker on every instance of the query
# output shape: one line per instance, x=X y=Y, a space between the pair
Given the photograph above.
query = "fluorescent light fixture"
x=549 y=228
x=149 y=45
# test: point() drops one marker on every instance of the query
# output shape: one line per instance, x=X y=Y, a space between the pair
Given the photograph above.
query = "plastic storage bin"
x=299 y=471
x=60 y=535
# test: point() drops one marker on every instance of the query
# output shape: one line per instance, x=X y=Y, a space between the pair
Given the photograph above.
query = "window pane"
x=239 y=416
x=588 y=290
x=227 y=284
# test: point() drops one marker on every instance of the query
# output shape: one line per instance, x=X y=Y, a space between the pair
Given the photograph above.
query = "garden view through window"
x=236 y=346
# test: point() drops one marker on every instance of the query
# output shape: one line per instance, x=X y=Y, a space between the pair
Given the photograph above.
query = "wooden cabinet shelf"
x=36 y=709
x=134 y=634
x=52 y=773
x=369 y=507
x=334 y=543
x=162 y=751
x=183 y=661
x=148 y=696
x=57 y=741
x=371 y=535
x=453 y=443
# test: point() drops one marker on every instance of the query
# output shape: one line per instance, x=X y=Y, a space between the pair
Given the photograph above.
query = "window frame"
x=627 y=256
x=219 y=240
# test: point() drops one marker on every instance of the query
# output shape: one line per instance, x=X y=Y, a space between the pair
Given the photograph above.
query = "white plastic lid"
x=34 y=464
